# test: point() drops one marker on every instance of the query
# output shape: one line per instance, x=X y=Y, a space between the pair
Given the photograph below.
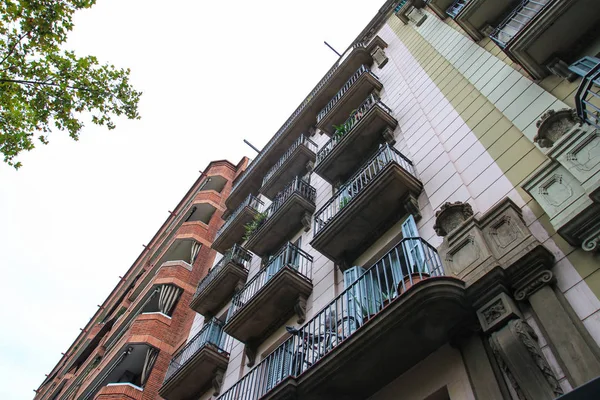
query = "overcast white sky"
x=75 y=216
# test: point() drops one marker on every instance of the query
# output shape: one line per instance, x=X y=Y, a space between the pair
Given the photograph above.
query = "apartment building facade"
x=126 y=348
x=424 y=225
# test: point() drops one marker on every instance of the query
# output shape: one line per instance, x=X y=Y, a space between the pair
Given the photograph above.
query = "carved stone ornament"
x=450 y=216
x=217 y=382
x=300 y=309
x=250 y=354
x=411 y=206
x=306 y=219
x=388 y=136
x=552 y=125
x=494 y=314
x=529 y=338
x=533 y=284
x=591 y=242
x=495 y=346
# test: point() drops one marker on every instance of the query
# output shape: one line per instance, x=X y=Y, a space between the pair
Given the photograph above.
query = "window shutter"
x=583 y=66
x=413 y=248
x=353 y=312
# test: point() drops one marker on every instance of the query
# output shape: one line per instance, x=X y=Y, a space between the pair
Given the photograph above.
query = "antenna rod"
x=250 y=144
x=328 y=45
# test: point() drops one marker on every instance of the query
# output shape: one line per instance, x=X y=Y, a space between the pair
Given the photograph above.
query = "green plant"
x=343 y=201
x=253 y=225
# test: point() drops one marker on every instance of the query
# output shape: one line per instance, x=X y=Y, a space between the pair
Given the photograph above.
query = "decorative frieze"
x=496 y=312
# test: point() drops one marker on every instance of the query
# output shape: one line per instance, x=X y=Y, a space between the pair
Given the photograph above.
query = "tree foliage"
x=43 y=86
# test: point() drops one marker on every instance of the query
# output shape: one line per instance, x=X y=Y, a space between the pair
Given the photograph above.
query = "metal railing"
x=236 y=254
x=587 y=99
x=295 y=114
x=297 y=185
x=456 y=7
x=211 y=334
x=348 y=125
x=344 y=196
x=363 y=69
x=289 y=256
x=251 y=202
x=400 y=5
x=517 y=20
x=302 y=140
x=410 y=261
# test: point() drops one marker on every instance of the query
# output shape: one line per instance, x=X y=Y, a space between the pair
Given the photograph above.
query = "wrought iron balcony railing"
x=251 y=202
x=412 y=260
x=302 y=140
x=288 y=256
x=587 y=99
x=356 y=116
x=355 y=185
x=457 y=7
x=237 y=254
x=295 y=114
x=363 y=69
x=212 y=335
x=517 y=20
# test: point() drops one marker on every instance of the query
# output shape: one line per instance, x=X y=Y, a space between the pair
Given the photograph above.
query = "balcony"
x=272 y=295
x=290 y=210
x=537 y=32
x=293 y=163
x=300 y=120
x=203 y=360
x=219 y=284
x=440 y=7
x=456 y=7
x=233 y=229
x=368 y=204
x=587 y=99
x=351 y=144
x=394 y=315
x=347 y=99
x=475 y=15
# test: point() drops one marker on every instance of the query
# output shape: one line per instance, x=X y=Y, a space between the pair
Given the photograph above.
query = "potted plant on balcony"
x=344 y=201
x=417 y=275
x=253 y=225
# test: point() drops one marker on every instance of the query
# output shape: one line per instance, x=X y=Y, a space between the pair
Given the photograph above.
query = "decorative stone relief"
x=450 y=216
x=592 y=241
x=306 y=221
x=411 y=206
x=586 y=155
x=555 y=190
x=310 y=166
x=504 y=233
x=300 y=309
x=379 y=56
x=552 y=125
x=417 y=16
x=463 y=254
x=250 y=354
x=217 y=381
x=561 y=69
x=520 y=358
x=529 y=338
x=388 y=136
x=494 y=314
x=533 y=283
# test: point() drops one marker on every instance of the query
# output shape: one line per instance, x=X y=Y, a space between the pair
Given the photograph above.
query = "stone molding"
x=553 y=125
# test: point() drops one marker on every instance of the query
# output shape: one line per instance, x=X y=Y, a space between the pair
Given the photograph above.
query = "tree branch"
x=41 y=83
x=14 y=47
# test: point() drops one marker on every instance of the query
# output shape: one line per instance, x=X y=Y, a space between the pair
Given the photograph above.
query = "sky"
x=76 y=215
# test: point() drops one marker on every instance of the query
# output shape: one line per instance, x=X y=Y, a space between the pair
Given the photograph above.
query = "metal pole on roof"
x=328 y=45
x=250 y=144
